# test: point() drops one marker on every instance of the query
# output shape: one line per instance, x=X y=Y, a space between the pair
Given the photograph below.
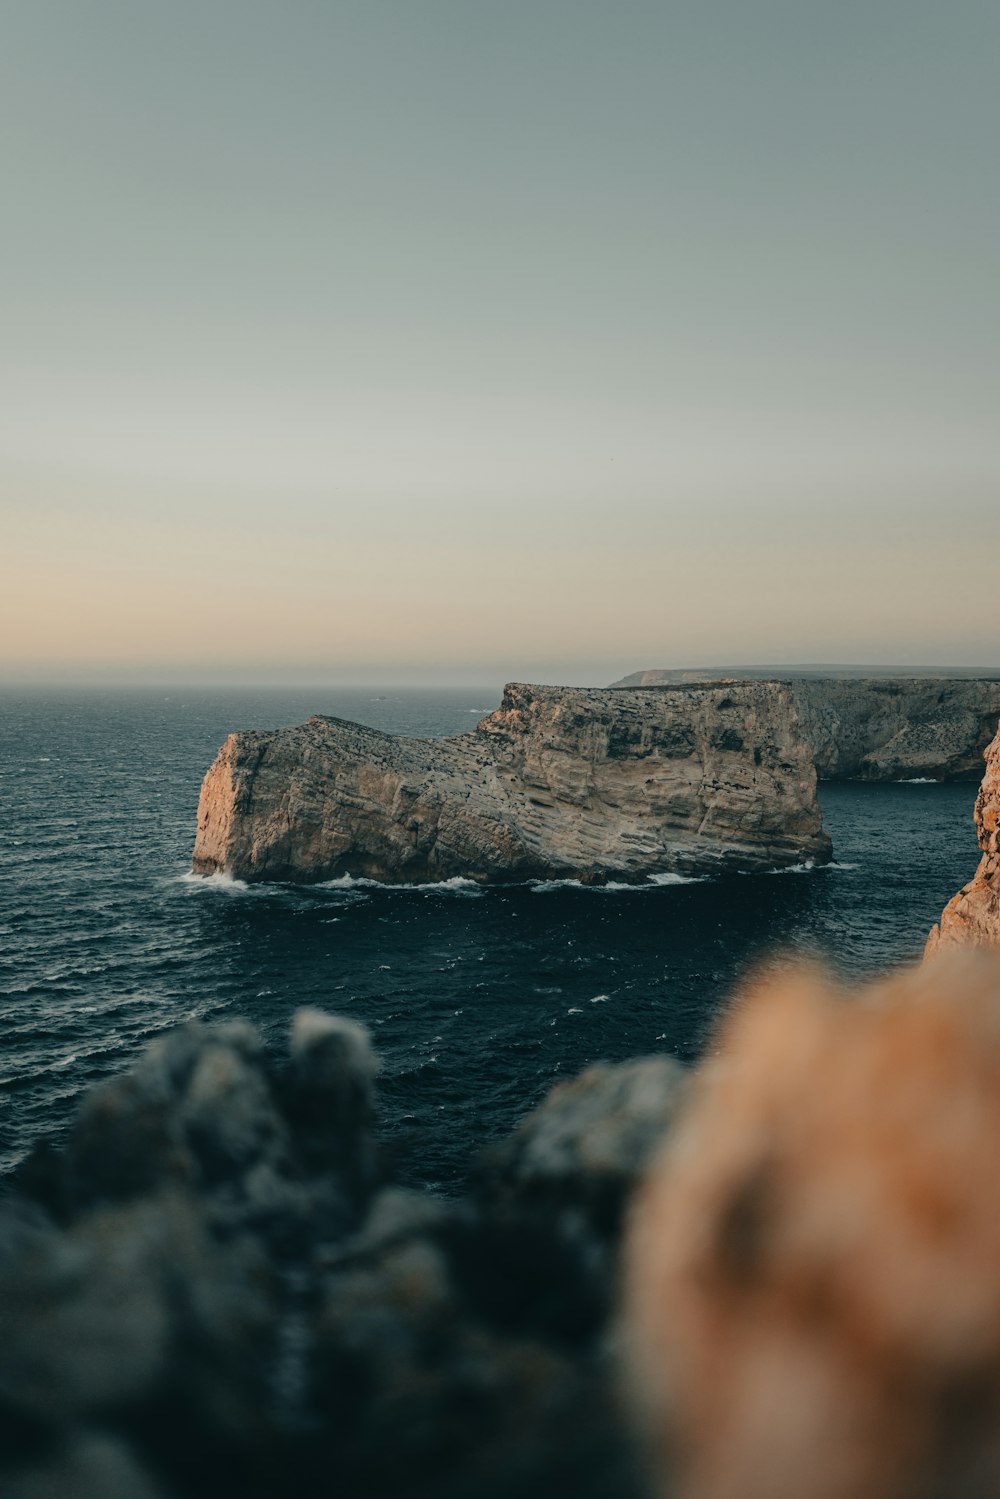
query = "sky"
x=448 y=340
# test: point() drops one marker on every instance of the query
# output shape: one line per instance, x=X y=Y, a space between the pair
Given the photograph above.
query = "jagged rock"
x=814 y=1266
x=215 y=1300
x=134 y=1318
x=556 y=783
x=590 y=1139
x=552 y=1196
x=204 y=1113
x=973 y=915
x=329 y=1097
x=880 y=728
x=574 y=1160
x=430 y=1394
x=84 y=1467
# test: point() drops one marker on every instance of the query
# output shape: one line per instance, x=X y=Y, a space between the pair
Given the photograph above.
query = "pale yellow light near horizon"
x=572 y=591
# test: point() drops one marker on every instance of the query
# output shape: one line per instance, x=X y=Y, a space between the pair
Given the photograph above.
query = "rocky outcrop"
x=883 y=728
x=213 y=1292
x=557 y=783
x=973 y=915
x=814 y=1266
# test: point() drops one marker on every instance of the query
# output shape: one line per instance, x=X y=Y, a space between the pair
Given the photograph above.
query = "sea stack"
x=973 y=915
x=593 y=785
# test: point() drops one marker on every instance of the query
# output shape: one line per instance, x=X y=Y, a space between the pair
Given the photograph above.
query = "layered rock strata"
x=557 y=783
x=973 y=915
x=883 y=728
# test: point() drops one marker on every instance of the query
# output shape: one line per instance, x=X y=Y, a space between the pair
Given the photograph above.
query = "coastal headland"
x=883 y=726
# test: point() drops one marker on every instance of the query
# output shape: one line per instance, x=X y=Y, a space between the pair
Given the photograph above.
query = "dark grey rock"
x=207 y=1294
x=88 y=1466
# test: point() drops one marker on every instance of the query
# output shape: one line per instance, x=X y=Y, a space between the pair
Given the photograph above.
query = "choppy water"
x=478 y=1000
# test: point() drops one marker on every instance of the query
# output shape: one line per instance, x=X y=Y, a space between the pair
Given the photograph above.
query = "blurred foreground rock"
x=211 y=1290
x=814 y=1266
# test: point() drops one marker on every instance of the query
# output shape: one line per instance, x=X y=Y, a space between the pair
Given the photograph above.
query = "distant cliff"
x=883 y=728
x=556 y=783
x=973 y=915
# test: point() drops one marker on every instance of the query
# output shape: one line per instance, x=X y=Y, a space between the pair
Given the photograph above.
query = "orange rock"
x=973 y=915
x=813 y=1269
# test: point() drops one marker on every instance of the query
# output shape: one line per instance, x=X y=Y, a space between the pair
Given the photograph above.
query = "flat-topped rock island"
x=557 y=783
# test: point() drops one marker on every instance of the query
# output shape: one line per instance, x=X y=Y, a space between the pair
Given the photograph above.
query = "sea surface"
x=478 y=1000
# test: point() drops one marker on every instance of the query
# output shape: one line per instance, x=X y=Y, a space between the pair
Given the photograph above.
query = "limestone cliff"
x=556 y=783
x=883 y=728
x=973 y=915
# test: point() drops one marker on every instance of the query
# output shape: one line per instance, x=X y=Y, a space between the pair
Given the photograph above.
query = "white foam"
x=220 y=883
x=542 y=887
x=918 y=781
x=617 y=887
x=457 y=885
x=810 y=866
x=600 y=999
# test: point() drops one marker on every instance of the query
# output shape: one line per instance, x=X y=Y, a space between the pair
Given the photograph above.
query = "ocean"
x=477 y=1000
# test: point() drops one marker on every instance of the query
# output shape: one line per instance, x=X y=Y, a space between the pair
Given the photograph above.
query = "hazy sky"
x=497 y=338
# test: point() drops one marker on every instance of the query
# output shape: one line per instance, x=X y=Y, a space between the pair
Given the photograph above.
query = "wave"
x=918 y=781
x=457 y=885
x=617 y=887
x=229 y=884
x=809 y=866
x=220 y=883
x=461 y=885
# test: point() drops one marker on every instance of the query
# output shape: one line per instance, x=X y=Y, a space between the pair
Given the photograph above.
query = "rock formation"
x=814 y=1266
x=213 y=1292
x=557 y=783
x=973 y=915
x=882 y=728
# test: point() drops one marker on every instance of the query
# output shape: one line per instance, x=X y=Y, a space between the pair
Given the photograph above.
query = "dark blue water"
x=478 y=1000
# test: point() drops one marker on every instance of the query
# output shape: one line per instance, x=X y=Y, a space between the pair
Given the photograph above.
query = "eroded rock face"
x=884 y=728
x=973 y=915
x=557 y=783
